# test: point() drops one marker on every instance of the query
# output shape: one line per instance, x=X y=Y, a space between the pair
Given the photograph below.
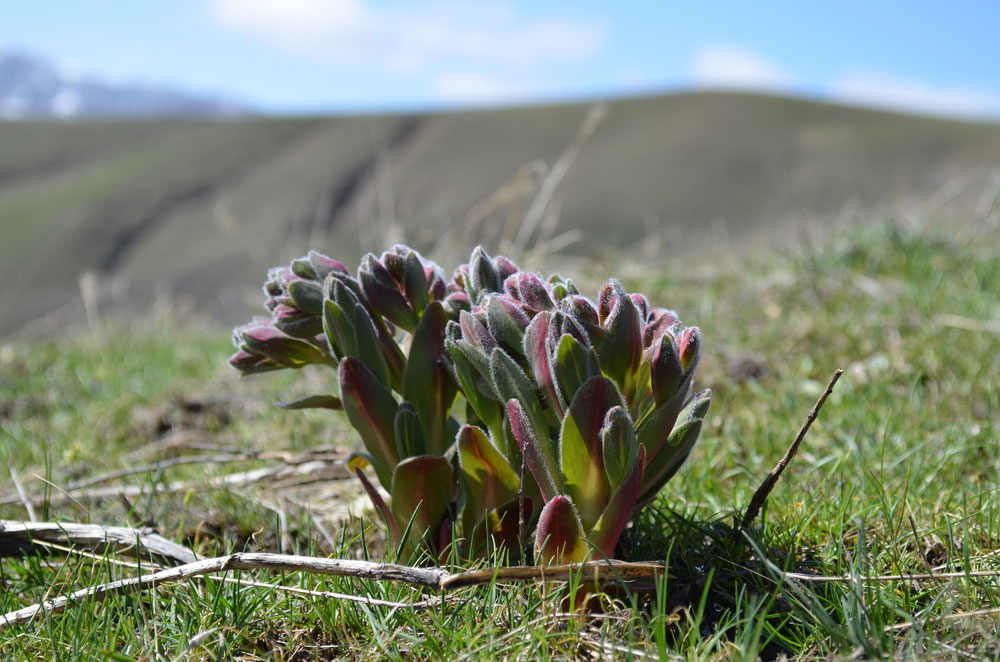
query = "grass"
x=899 y=476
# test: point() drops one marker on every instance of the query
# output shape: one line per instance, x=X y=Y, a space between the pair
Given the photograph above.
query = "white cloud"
x=473 y=87
x=405 y=40
x=914 y=95
x=729 y=66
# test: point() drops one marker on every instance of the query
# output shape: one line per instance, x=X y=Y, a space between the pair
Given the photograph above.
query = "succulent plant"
x=593 y=399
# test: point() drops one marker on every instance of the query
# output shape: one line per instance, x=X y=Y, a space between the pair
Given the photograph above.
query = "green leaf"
x=489 y=479
x=666 y=372
x=620 y=350
x=383 y=293
x=414 y=281
x=483 y=276
x=307 y=295
x=671 y=456
x=372 y=411
x=313 y=402
x=427 y=383
x=339 y=330
x=617 y=513
x=581 y=448
x=559 y=535
x=408 y=432
x=536 y=350
x=421 y=491
x=506 y=322
x=511 y=382
x=539 y=458
x=618 y=445
x=573 y=364
x=367 y=345
x=469 y=378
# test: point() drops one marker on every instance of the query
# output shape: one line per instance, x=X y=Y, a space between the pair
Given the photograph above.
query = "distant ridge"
x=199 y=209
x=32 y=88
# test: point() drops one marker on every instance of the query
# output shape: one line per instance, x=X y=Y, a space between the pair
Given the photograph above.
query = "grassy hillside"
x=202 y=208
x=897 y=478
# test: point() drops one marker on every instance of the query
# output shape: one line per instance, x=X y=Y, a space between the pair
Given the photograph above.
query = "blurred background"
x=174 y=150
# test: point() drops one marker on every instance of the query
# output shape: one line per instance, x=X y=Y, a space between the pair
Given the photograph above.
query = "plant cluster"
x=492 y=404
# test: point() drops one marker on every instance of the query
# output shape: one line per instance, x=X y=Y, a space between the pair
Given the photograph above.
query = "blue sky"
x=297 y=56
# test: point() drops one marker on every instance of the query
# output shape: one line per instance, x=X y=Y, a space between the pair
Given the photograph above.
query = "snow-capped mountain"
x=31 y=88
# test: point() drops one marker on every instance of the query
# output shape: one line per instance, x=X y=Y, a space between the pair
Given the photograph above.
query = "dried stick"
x=18 y=537
x=433 y=578
x=227 y=456
x=312 y=470
x=760 y=496
x=22 y=495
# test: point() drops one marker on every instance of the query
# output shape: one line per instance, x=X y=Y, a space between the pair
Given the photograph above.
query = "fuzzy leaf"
x=367 y=345
x=307 y=295
x=407 y=430
x=573 y=363
x=559 y=535
x=489 y=479
x=689 y=348
x=618 y=445
x=483 y=275
x=372 y=411
x=427 y=383
x=536 y=350
x=313 y=402
x=383 y=293
x=539 y=458
x=612 y=522
x=620 y=350
x=506 y=322
x=414 y=282
x=509 y=381
x=476 y=334
x=338 y=329
x=671 y=454
x=581 y=446
x=295 y=322
x=265 y=339
x=470 y=378
x=666 y=371
x=323 y=265
x=421 y=485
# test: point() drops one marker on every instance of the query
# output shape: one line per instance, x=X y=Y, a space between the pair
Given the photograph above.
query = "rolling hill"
x=201 y=208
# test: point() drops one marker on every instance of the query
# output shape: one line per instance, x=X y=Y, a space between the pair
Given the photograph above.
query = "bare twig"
x=18 y=537
x=324 y=454
x=967 y=323
x=850 y=579
x=309 y=470
x=434 y=578
x=760 y=496
x=994 y=611
x=20 y=491
x=555 y=177
x=154 y=468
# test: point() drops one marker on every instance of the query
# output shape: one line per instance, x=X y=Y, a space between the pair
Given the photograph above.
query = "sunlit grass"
x=899 y=476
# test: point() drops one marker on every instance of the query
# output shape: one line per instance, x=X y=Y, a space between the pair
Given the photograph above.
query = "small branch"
x=760 y=496
x=924 y=577
x=154 y=468
x=310 y=470
x=20 y=491
x=967 y=323
x=16 y=538
x=433 y=578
